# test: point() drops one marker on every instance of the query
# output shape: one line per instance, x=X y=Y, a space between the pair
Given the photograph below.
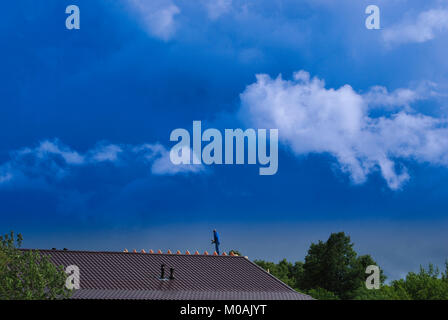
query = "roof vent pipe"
x=172 y=274
x=162 y=271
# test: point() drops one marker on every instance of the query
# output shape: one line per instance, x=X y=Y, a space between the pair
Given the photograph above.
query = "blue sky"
x=86 y=115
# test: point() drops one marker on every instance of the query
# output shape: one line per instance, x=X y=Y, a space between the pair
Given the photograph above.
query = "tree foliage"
x=333 y=270
x=27 y=275
x=285 y=271
x=322 y=294
x=335 y=266
x=428 y=284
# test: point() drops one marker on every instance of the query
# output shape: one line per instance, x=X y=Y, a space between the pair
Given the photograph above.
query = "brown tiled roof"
x=120 y=275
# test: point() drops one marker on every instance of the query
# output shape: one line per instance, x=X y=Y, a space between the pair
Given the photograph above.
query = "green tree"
x=296 y=275
x=27 y=275
x=428 y=284
x=322 y=294
x=384 y=293
x=334 y=266
x=285 y=271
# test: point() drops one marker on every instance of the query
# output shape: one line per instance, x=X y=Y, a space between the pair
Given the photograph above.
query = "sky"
x=86 y=117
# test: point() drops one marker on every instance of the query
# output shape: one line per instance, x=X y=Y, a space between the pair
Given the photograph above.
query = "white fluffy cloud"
x=105 y=153
x=159 y=156
x=381 y=97
x=46 y=147
x=314 y=119
x=52 y=160
x=425 y=27
x=157 y=16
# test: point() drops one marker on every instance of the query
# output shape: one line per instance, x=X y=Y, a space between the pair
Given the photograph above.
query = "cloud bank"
x=51 y=160
x=314 y=119
x=424 y=28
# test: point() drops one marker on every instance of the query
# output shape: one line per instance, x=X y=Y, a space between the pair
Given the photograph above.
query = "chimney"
x=172 y=274
x=162 y=271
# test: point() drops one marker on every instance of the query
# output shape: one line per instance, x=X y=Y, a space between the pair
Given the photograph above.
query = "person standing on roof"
x=216 y=241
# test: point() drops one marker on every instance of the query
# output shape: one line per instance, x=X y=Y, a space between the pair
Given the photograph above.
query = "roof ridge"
x=130 y=252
